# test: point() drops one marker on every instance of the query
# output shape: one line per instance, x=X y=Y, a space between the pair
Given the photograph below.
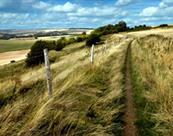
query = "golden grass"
x=152 y=59
x=85 y=101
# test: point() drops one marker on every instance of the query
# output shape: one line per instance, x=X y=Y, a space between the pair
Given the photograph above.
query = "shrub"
x=12 y=61
x=164 y=25
x=36 y=56
x=71 y=40
x=51 y=45
x=81 y=38
x=52 y=55
x=92 y=39
x=61 y=43
x=84 y=33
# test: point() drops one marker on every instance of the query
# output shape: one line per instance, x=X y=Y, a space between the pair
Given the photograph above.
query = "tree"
x=36 y=56
x=61 y=43
x=84 y=33
x=122 y=26
x=93 y=38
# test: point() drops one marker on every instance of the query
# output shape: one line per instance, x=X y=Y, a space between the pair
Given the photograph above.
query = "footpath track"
x=129 y=117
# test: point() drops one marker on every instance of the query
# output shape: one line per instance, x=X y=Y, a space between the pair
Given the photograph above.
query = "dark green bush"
x=93 y=38
x=81 y=38
x=36 y=55
x=61 y=43
x=71 y=40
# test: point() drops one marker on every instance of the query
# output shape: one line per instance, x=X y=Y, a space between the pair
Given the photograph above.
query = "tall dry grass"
x=86 y=98
x=153 y=78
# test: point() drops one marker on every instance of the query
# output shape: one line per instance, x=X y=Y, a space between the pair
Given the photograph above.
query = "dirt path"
x=129 y=129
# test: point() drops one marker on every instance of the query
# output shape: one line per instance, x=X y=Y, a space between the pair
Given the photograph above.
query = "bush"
x=52 y=55
x=36 y=55
x=61 y=43
x=92 y=39
x=81 y=38
x=12 y=61
x=164 y=25
x=71 y=40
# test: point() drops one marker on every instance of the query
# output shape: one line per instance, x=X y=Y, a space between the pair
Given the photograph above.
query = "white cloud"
x=150 y=11
x=124 y=2
x=67 y=7
x=41 y=5
x=163 y=9
x=97 y=11
x=12 y=18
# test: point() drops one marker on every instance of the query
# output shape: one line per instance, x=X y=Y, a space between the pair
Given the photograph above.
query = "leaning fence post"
x=92 y=54
x=48 y=72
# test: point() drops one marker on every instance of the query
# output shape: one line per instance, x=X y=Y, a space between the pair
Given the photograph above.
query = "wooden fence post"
x=48 y=72
x=92 y=54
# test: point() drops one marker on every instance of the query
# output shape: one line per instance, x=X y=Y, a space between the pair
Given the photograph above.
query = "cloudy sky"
x=27 y=14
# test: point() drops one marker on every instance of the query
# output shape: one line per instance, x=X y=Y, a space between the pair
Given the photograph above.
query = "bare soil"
x=129 y=118
x=7 y=57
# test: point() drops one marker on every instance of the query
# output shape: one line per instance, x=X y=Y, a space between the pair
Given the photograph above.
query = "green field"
x=15 y=45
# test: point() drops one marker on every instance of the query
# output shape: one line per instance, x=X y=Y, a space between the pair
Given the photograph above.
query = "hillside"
x=80 y=93
x=127 y=89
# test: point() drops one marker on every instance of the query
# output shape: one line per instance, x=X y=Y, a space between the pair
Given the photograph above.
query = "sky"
x=32 y=14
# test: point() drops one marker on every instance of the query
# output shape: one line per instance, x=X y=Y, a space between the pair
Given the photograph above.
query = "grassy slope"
x=152 y=75
x=86 y=100
x=15 y=45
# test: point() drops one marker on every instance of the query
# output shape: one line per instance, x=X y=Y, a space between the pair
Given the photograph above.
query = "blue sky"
x=28 y=14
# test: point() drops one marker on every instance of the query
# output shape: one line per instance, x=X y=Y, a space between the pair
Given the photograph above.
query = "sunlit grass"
x=86 y=98
x=153 y=72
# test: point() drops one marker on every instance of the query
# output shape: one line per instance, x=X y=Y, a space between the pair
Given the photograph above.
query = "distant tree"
x=164 y=25
x=84 y=33
x=122 y=26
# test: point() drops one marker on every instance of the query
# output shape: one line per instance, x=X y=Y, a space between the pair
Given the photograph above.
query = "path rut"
x=129 y=117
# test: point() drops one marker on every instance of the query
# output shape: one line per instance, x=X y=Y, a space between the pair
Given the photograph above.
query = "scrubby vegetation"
x=93 y=38
x=163 y=25
x=36 y=56
x=152 y=75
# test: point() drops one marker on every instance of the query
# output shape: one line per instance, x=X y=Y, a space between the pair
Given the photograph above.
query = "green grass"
x=15 y=45
x=145 y=123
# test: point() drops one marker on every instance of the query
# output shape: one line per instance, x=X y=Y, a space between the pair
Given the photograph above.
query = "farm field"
x=127 y=91
x=7 y=57
x=15 y=45
x=23 y=44
x=53 y=37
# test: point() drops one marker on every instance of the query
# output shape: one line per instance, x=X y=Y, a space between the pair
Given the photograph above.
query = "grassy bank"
x=152 y=78
x=86 y=100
